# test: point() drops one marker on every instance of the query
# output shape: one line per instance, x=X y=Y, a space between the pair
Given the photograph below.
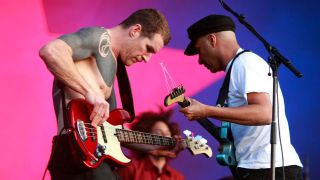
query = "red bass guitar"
x=103 y=143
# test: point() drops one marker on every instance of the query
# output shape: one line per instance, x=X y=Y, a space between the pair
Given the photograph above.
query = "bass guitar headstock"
x=176 y=96
x=197 y=144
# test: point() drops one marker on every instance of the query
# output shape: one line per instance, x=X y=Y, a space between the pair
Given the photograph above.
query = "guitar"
x=103 y=143
x=226 y=156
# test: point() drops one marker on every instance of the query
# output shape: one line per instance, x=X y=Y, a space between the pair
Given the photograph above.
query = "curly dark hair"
x=152 y=22
x=146 y=120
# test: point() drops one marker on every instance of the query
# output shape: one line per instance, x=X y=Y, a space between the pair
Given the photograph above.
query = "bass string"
x=170 y=83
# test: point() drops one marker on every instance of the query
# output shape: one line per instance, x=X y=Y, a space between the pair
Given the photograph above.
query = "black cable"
x=282 y=157
x=52 y=152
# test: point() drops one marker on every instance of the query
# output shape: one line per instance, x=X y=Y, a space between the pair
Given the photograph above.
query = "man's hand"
x=195 y=110
x=100 y=112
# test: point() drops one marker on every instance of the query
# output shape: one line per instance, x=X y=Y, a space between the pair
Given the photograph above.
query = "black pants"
x=62 y=165
x=291 y=173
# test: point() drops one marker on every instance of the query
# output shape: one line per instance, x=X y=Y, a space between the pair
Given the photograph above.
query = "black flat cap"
x=209 y=24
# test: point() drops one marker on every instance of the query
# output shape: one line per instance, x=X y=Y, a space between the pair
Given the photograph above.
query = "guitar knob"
x=101 y=148
x=98 y=154
x=187 y=132
x=203 y=141
x=198 y=137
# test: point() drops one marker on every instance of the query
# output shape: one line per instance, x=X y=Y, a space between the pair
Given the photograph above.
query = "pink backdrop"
x=26 y=106
x=26 y=111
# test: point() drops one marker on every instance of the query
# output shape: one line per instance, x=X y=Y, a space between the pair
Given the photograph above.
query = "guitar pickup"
x=81 y=129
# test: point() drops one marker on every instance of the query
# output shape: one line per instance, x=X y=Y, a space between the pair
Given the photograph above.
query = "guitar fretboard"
x=129 y=136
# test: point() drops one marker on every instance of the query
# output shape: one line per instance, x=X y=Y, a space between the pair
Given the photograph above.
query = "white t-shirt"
x=253 y=149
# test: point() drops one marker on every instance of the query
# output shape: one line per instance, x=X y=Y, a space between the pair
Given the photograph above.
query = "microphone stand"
x=275 y=59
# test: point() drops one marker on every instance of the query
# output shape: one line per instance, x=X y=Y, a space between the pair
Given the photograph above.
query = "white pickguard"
x=113 y=147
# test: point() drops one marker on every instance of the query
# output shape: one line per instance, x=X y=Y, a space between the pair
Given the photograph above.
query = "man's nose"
x=147 y=57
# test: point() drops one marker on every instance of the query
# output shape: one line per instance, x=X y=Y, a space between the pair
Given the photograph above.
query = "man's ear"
x=135 y=30
x=212 y=38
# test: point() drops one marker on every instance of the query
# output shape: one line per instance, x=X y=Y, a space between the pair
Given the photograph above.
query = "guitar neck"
x=129 y=136
x=211 y=128
x=205 y=123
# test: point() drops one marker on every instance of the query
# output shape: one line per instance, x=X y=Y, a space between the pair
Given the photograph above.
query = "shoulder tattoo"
x=104 y=44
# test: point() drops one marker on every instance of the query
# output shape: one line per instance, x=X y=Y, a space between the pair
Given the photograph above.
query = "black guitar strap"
x=62 y=100
x=64 y=108
x=125 y=89
x=221 y=101
x=223 y=93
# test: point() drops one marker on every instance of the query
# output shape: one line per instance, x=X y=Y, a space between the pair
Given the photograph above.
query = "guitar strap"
x=62 y=100
x=66 y=124
x=125 y=90
x=221 y=102
x=223 y=93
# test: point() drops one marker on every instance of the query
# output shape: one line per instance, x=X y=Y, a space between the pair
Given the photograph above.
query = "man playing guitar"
x=85 y=62
x=248 y=104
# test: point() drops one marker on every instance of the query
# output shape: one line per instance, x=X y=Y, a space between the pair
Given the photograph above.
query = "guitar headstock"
x=176 y=96
x=197 y=145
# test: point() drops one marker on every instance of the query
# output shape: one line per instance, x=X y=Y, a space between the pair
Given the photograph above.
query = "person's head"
x=156 y=123
x=148 y=32
x=213 y=38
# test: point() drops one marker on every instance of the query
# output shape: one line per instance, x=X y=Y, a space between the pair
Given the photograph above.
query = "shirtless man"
x=85 y=62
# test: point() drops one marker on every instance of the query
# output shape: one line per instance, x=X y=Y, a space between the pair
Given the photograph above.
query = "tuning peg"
x=198 y=138
x=187 y=132
x=203 y=141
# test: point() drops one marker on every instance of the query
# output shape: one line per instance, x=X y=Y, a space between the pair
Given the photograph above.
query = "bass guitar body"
x=226 y=156
x=97 y=144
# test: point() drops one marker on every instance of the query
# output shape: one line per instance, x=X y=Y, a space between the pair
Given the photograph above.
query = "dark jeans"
x=291 y=173
x=62 y=165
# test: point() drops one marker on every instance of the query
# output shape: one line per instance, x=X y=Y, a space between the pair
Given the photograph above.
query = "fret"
x=130 y=136
x=163 y=141
x=133 y=134
x=119 y=135
x=136 y=137
x=150 y=140
x=166 y=141
x=157 y=141
x=126 y=136
x=144 y=138
x=140 y=138
x=147 y=139
x=123 y=137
